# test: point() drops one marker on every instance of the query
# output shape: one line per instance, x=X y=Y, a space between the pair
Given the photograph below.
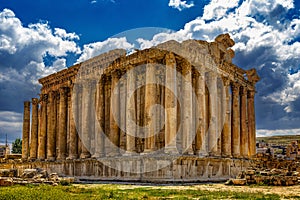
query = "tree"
x=17 y=146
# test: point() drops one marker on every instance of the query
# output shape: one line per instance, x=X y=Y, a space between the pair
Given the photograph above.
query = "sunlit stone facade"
x=97 y=118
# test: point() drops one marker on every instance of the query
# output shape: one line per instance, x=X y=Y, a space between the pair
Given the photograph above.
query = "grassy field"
x=114 y=191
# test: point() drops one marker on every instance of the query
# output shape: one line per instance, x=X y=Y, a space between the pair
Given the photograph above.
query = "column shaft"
x=131 y=118
x=200 y=144
x=114 y=134
x=251 y=123
x=34 y=129
x=170 y=105
x=43 y=128
x=188 y=132
x=86 y=124
x=100 y=120
x=52 y=127
x=244 y=123
x=26 y=130
x=73 y=145
x=235 y=145
x=213 y=108
x=62 y=131
x=150 y=114
x=226 y=133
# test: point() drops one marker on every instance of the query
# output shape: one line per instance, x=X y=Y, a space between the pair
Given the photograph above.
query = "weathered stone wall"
x=183 y=169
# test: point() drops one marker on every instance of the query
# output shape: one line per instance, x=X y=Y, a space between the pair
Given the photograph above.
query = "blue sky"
x=38 y=38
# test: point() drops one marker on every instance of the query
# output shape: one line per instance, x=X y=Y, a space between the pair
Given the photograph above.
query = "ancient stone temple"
x=174 y=112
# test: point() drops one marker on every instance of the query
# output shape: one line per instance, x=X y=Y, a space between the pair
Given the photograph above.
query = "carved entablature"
x=63 y=78
x=252 y=76
x=202 y=56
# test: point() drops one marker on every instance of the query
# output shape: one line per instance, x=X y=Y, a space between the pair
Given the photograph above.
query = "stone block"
x=237 y=181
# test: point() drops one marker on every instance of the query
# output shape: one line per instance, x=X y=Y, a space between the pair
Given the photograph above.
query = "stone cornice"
x=215 y=56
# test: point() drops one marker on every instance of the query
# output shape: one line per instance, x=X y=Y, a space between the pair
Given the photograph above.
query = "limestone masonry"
x=98 y=119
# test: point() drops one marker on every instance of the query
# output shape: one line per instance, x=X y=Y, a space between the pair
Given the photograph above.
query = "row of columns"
x=53 y=134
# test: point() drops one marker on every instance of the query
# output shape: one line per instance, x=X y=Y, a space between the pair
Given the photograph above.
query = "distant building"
x=4 y=150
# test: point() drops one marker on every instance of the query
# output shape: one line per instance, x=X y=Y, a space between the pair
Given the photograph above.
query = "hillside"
x=282 y=139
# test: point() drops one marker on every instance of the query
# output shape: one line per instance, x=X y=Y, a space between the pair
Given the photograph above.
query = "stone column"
x=77 y=114
x=200 y=143
x=34 y=129
x=99 y=121
x=86 y=124
x=244 y=123
x=131 y=118
x=73 y=145
x=188 y=131
x=43 y=128
x=62 y=123
x=226 y=133
x=251 y=122
x=170 y=105
x=51 y=139
x=150 y=115
x=26 y=130
x=213 y=108
x=114 y=134
x=235 y=136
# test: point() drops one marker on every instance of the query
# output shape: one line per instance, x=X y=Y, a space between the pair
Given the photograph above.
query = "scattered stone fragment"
x=32 y=176
x=267 y=170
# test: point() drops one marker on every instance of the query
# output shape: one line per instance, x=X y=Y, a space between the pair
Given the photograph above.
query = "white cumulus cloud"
x=94 y=49
x=22 y=53
x=180 y=5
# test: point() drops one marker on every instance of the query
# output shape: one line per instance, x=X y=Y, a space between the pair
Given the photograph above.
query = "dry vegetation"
x=282 y=140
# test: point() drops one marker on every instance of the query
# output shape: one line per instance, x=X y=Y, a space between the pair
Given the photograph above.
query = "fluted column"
x=150 y=100
x=235 y=136
x=86 y=124
x=200 y=114
x=251 y=122
x=26 y=130
x=34 y=129
x=170 y=105
x=62 y=123
x=99 y=121
x=213 y=108
x=73 y=144
x=114 y=134
x=131 y=118
x=226 y=133
x=188 y=131
x=51 y=127
x=244 y=122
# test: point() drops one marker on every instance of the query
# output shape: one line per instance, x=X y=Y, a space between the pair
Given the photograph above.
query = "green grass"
x=32 y=192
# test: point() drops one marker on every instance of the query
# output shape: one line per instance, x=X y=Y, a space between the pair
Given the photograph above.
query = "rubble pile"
x=267 y=170
x=9 y=177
